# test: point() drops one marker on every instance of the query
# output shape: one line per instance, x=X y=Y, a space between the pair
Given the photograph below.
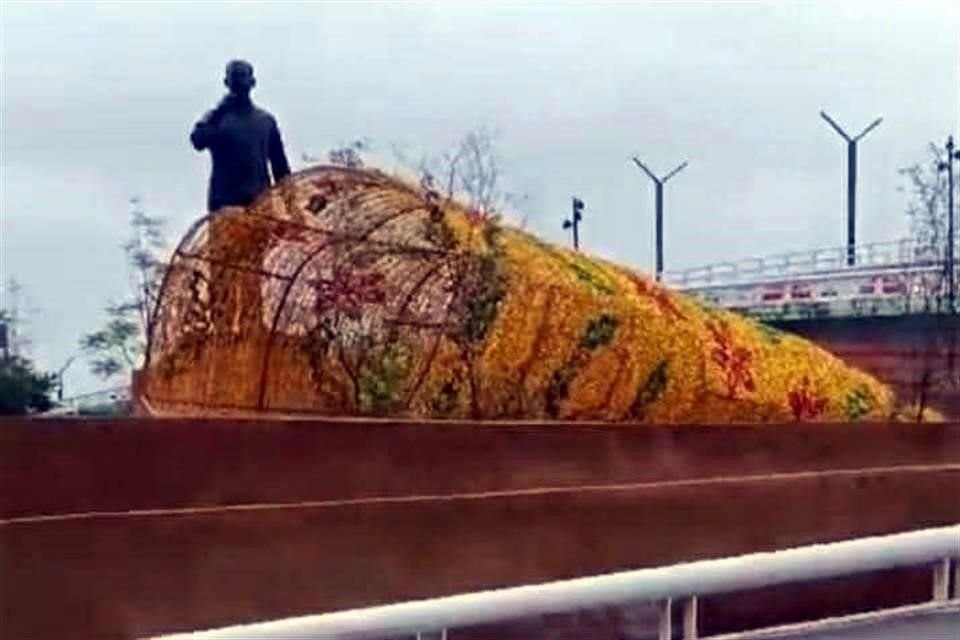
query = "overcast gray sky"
x=98 y=99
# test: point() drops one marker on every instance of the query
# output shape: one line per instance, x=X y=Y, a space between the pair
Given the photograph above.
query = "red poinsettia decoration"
x=735 y=361
x=347 y=291
x=804 y=403
x=659 y=296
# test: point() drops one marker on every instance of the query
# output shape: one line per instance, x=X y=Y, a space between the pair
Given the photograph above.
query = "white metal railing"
x=865 y=274
x=896 y=253
x=916 y=287
x=934 y=547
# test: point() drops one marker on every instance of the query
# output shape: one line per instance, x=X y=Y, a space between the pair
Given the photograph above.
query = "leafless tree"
x=119 y=346
x=470 y=170
x=348 y=155
x=936 y=351
x=12 y=301
x=927 y=209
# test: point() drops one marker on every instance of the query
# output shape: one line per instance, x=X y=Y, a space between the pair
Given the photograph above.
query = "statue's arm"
x=204 y=132
x=278 y=158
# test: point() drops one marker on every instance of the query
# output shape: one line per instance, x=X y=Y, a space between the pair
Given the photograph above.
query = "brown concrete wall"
x=474 y=506
x=66 y=465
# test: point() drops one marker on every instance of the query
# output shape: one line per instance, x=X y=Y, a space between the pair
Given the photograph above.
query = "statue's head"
x=239 y=77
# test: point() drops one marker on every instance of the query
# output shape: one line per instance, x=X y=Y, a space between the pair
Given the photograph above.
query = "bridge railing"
x=819 y=261
x=914 y=287
x=939 y=548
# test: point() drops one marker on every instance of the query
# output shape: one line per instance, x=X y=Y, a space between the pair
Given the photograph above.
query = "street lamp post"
x=659 y=182
x=851 y=181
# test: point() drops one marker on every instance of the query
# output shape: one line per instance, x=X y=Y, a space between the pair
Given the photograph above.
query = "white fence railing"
x=915 y=289
x=939 y=548
x=884 y=255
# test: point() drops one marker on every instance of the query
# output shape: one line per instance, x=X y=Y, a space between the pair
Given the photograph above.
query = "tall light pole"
x=659 y=182
x=951 y=272
x=851 y=181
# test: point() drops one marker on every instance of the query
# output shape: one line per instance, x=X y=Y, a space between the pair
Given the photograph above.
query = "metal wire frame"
x=343 y=188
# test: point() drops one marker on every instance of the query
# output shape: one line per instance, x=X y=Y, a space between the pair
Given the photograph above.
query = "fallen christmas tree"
x=349 y=292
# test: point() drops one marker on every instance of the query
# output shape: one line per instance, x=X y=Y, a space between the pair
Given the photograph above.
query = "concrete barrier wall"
x=257 y=520
x=66 y=465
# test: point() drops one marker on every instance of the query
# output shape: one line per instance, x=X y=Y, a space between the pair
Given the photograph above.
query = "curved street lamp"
x=659 y=182
x=851 y=181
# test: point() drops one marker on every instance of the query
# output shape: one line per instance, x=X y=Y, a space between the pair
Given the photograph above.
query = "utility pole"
x=851 y=182
x=659 y=182
x=951 y=230
x=574 y=221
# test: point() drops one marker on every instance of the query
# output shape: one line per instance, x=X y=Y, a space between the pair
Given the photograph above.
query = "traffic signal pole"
x=574 y=221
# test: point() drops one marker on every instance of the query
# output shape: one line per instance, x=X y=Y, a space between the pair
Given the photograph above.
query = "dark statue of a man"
x=242 y=139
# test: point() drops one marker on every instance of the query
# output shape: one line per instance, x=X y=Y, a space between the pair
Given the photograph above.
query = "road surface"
x=941 y=625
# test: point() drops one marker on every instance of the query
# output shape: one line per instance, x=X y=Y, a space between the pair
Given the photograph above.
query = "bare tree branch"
x=120 y=345
x=936 y=353
x=470 y=170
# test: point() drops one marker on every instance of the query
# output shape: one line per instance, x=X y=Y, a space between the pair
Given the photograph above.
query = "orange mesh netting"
x=348 y=292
